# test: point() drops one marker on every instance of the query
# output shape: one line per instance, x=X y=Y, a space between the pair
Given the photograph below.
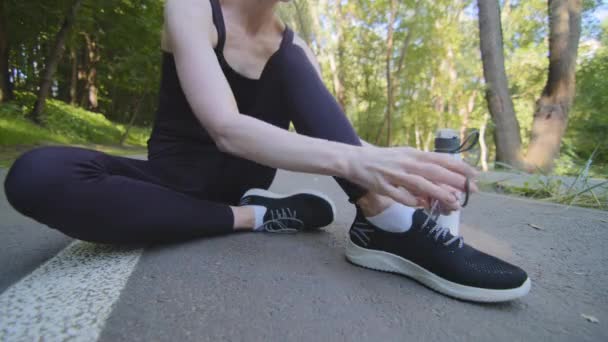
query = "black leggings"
x=93 y=196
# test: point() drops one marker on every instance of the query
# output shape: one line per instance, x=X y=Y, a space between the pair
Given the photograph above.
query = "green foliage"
x=550 y=191
x=17 y=131
x=589 y=119
x=124 y=59
x=130 y=68
x=442 y=72
x=582 y=190
x=63 y=124
x=553 y=189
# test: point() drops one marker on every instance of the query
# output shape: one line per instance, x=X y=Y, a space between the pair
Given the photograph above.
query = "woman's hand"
x=410 y=176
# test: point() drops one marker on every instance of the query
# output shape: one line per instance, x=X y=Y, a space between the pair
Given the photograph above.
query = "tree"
x=551 y=114
x=92 y=57
x=5 y=84
x=506 y=135
x=389 y=77
x=588 y=122
x=53 y=60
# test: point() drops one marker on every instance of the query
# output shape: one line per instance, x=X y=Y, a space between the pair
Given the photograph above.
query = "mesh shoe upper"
x=439 y=252
x=293 y=213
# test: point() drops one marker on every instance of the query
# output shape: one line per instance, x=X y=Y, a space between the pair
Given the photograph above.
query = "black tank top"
x=178 y=133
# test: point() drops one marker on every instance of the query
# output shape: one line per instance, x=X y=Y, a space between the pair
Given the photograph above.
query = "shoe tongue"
x=418 y=218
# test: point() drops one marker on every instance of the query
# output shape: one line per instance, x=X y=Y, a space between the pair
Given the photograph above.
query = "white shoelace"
x=438 y=231
x=283 y=221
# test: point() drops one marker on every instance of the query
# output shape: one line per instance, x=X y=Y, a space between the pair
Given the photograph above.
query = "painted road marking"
x=69 y=297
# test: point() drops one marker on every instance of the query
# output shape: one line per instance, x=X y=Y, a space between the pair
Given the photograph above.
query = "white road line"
x=69 y=297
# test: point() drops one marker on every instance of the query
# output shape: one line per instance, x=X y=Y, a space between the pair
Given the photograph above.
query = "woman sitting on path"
x=233 y=79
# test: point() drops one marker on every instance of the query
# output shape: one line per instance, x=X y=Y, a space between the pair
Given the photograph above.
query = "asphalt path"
x=262 y=287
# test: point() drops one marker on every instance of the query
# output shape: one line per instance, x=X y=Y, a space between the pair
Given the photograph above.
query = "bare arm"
x=400 y=173
x=189 y=28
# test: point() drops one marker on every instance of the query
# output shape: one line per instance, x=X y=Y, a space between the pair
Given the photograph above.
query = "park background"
x=534 y=82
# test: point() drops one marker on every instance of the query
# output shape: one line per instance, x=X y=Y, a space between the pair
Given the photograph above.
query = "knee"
x=32 y=179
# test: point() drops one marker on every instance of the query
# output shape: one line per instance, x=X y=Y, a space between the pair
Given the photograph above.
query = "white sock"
x=260 y=211
x=397 y=218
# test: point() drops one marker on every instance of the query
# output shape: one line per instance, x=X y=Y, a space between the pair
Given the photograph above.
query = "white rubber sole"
x=387 y=262
x=266 y=193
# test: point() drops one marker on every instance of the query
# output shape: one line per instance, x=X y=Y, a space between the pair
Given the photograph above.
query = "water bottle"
x=448 y=141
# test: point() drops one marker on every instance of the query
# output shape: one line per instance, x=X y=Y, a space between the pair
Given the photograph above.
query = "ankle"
x=373 y=204
x=244 y=218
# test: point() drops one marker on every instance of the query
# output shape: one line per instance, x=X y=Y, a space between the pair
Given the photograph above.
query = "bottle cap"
x=446 y=140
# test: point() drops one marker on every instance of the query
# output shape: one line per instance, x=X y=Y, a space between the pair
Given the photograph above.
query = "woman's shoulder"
x=201 y=10
x=190 y=11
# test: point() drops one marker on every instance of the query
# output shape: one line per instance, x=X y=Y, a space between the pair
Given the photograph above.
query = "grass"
x=63 y=124
x=549 y=192
x=569 y=165
x=581 y=192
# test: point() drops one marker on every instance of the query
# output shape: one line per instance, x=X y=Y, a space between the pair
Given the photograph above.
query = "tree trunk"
x=81 y=84
x=317 y=30
x=482 y=143
x=466 y=113
x=74 y=77
x=450 y=70
x=133 y=117
x=91 y=76
x=328 y=53
x=6 y=93
x=335 y=64
x=93 y=103
x=389 y=73
x=427 y=141
x=405 y=48
x=303 y=28
x=403 y=56
x=439 y=107
x=338 y=89
x=52 y=61
x=507 y=136
x=34 y=60
x=551 y=114
x=379 y=131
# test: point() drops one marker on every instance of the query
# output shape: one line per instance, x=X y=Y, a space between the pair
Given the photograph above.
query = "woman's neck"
x=256 y=15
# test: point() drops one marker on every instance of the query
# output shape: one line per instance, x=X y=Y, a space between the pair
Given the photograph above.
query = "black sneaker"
x=434 y=257
x=305 y=210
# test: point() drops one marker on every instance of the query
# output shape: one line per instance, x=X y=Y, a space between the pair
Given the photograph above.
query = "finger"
x=473 y=188
x=457 y=194
x=445 y=212
x=438 y=174
x=400 y=195
x=424 y=202
x=449 y=162
x=421 y=187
